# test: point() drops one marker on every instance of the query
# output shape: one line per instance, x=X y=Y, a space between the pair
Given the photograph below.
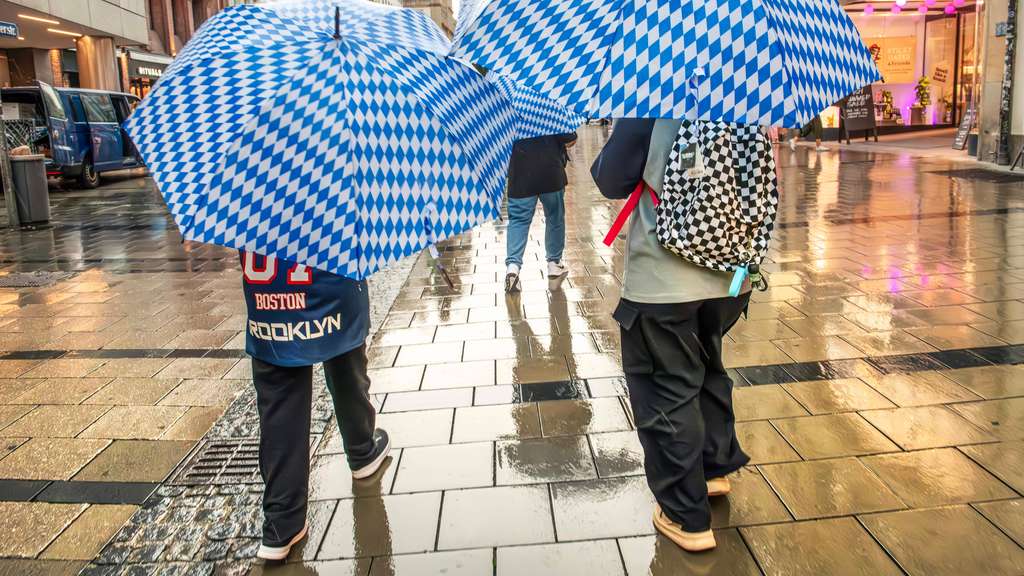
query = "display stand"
x=858 y=114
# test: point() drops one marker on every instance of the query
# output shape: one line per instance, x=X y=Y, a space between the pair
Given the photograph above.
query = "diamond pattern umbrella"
x=537 y=115
x=333 y=133
x=770 y=62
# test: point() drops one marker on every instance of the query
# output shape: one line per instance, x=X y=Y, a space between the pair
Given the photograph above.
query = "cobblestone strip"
x=215 y=529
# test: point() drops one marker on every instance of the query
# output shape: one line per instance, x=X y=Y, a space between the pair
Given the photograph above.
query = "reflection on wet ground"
x=878 y=393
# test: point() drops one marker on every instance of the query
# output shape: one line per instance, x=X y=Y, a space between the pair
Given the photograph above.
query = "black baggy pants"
x=682 y=399
x=284 y=399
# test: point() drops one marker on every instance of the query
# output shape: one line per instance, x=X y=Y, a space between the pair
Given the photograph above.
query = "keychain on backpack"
x=757 y=280
x=737 y=281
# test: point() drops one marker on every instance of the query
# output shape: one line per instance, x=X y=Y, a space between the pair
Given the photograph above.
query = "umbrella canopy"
x=331 y=133
x=537 y=115
x=769 y=62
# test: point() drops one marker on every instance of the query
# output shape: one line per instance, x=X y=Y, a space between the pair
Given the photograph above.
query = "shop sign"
x=940 y=75
x=9 y=30
x=859 y=111
x=895 y=58
x=960 y=142
x=137 y=69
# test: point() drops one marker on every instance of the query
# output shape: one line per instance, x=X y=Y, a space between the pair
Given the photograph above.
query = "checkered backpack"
x=721 y=217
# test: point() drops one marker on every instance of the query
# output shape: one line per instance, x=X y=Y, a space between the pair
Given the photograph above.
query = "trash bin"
x=972 y=145
x=31 y=192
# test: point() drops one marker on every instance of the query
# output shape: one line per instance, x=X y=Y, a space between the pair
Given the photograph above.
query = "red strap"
x=627 y=209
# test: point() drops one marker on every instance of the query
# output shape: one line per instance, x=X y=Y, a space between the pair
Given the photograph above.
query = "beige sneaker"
x=689 y=541
x=266 y=552
x=719 y=486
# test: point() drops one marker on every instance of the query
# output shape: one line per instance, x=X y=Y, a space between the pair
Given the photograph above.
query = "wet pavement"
x=878 y=391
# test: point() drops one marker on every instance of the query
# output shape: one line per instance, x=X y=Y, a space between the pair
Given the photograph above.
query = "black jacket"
x=620 y=166
x=538 y=165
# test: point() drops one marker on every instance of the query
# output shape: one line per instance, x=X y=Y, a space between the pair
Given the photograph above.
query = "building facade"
x=103 y=44
x=169 y=26
x=64 y=41
x=172 y=23
x=440 y=11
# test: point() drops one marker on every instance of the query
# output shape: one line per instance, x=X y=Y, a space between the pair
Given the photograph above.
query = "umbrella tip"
x=337 y=22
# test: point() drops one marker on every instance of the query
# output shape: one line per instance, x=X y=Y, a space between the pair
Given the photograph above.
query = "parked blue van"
x=80 y=131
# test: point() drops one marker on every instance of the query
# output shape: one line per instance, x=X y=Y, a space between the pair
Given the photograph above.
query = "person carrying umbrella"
x=673 y=316
x=545 y=131
x=299 y=317
x=745 y=62
x=537 y=172
x=325 y=141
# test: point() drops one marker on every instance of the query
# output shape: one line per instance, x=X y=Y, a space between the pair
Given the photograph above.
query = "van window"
x=53 y=105
x=76 y=108
x=121 y=107
x=98 y=108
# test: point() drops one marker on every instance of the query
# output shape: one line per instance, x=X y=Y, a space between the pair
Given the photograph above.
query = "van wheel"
x=89 y=178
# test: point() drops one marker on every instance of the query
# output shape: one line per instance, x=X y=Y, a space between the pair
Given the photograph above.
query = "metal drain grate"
x=982 y=175
x=219 y=462
x=32 y=279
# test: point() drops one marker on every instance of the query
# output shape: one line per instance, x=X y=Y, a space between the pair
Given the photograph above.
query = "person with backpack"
x=673 y=315
x=299 y=317
x=537 y=171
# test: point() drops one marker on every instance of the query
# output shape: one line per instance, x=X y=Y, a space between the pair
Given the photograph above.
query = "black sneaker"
x=366 y=467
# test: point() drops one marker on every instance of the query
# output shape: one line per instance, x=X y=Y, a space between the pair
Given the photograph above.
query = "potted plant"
x=947 y=109
x=923 y=92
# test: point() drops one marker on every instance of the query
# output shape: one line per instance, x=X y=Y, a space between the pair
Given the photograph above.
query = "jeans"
x=681 y=397
x=284 y=400
x=520 y=216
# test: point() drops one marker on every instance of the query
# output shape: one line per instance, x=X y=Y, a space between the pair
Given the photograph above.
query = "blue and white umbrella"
x=537 y=115
x=334 y=133
x=769 y=62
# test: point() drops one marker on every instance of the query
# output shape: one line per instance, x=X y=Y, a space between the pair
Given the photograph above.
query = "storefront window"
x=143 y=71
x=939 y=71
x=926 y=58
x=968 y=80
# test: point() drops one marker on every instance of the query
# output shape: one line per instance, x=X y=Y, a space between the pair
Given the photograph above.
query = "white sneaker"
x=281 y=552
x=792 y=144
x=557 y=270
x=822 y=148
